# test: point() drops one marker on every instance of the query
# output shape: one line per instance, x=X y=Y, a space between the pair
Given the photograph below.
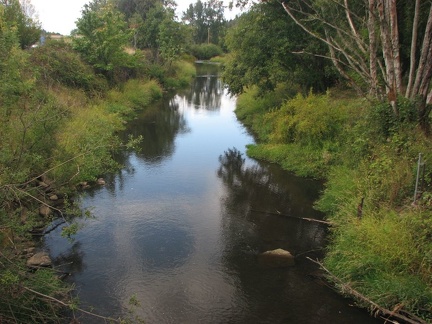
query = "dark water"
x=180 y=226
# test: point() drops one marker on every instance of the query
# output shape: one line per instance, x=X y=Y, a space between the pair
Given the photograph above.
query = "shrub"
x=58 y=63
x=86 y=141
x=206 y=51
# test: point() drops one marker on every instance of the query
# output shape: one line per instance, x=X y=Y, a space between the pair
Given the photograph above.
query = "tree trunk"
x=384 y=17
x=425 y=55
x=413 y=49
x=394 y=31
x=373 y=49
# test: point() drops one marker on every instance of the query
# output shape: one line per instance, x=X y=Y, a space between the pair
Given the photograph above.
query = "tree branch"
x=347 y=289
x=70 y=306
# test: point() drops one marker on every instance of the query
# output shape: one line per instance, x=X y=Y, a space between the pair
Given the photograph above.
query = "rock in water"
x=278 y=258
x=40 y=259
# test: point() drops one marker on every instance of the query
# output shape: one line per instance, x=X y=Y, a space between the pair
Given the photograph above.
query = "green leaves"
x=206 y=20
x=265 y=45
x=102 y=36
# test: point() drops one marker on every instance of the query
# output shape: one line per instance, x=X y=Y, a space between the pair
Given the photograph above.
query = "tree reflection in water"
x=207 y=89
x=257 y=193
x=70 y=261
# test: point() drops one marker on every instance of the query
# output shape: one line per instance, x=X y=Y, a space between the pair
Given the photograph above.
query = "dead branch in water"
x=377 y=309
x=109 y=319
x=286 y=215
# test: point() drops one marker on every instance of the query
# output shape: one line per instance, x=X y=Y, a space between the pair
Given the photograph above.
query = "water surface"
x=181 y=225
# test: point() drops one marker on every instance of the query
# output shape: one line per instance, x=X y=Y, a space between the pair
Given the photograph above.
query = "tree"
x=364 y=44
x=142 y=7
x=21 y=17
x=262 y=44
x=102 y=35
x=160 y=33
x=171 y=38
x=207 y=20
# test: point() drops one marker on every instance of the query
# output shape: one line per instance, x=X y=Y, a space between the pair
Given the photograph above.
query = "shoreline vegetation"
x=365 y=128
x=62 y=104
x=380 y=247
x=60 y=122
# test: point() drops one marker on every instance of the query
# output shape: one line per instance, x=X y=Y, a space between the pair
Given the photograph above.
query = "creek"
x=179 y=227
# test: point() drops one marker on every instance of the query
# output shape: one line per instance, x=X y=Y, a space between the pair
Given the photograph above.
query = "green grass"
x=365 y=154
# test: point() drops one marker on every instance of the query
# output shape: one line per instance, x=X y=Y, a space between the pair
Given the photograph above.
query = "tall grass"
x=380 y=243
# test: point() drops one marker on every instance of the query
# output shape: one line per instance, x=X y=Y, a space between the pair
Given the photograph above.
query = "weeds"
x=380 y=243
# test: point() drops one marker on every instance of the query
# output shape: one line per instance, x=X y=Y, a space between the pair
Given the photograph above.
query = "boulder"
x=44 y=185
x=278 y=258
x=40 y=259
x=45 y=211
x=84 y=185
x=100 y=181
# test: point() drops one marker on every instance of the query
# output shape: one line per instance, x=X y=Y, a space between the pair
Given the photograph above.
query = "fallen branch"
x=285 y=215
x=70 y=306
x=377 y=309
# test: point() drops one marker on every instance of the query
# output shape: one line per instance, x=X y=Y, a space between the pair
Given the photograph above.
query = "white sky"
x=60 y=15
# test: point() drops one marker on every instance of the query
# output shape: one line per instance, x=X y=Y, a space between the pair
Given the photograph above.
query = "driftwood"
x=378 y=310
x=296 y=217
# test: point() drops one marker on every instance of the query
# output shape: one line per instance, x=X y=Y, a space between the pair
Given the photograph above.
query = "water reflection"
x=251 y=225
x=158 y=125
x=162 y=244
x=181 y=225
x=71 y=260
x=207 y=89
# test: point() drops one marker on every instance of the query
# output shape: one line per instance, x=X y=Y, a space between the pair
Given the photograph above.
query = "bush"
x=206 y=51
x=175 y=76
x=380 y=244
x=86 y=140
x=58 y=63
x=134 y=95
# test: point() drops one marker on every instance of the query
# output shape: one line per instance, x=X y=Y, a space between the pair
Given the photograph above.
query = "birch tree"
x=363 y=40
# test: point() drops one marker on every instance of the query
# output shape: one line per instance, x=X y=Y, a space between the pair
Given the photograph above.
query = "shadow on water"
x=181 y=225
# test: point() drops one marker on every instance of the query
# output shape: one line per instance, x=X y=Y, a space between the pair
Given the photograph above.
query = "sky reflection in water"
x=180 y=226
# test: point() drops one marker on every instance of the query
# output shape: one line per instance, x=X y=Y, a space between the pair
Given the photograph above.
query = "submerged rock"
x=278 y=258
x=40 y=259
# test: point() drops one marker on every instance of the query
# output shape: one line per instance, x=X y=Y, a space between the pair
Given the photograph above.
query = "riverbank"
x=59 y=127
x=380 y=242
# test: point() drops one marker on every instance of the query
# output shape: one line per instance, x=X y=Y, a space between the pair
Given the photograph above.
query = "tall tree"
x=161 y=33
x=141 y=7
x=364 y=44
x=102 y=36
x=207 y=20
x=262 y=44
x=20 y=16
x=372 y=60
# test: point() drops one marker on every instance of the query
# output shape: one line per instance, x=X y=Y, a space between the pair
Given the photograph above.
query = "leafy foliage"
x=205 y=51
x=27 y=29
x=58 y=63
x=380 y=241
x=263 y=43
x=102 y=35
x=206 y=20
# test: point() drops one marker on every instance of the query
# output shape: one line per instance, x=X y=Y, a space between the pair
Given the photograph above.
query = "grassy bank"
x=380 y=241
x=58 y=124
